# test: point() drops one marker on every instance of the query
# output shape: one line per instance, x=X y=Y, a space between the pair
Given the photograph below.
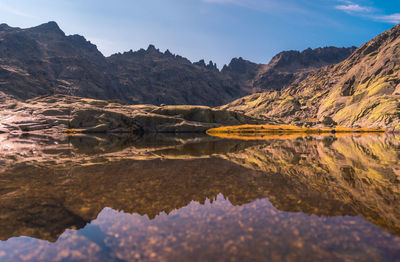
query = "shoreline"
x=262 y=132
x=268 y=129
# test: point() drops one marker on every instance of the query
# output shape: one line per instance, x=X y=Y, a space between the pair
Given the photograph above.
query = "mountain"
x=363 y=90
x=43 y=60
x=150 y=76
x=285 y=68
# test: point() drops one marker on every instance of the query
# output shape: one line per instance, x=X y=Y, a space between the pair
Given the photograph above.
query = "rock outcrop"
x=59 y=114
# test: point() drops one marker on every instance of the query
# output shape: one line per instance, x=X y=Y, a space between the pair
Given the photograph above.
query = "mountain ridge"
x=42 y=60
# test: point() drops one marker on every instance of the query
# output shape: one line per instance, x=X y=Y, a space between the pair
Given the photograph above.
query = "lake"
x=200 y=198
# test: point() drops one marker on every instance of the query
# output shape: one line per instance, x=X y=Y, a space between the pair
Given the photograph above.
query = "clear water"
x=185 y=198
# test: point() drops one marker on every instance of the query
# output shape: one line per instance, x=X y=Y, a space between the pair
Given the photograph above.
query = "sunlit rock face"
x=51 y=185
x=360 y=91
x=58 y=114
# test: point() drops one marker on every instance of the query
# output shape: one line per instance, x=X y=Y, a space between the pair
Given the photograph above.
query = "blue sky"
x=215 y=30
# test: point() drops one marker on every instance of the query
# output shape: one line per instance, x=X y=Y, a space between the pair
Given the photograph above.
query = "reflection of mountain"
x=361 y=172
x=324 y=176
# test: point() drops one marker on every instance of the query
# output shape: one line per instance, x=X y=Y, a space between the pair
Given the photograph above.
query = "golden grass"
x=73 y=132
x=273 y=136
x=287 y=128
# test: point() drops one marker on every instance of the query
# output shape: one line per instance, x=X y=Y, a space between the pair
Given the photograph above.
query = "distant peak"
x=168 y=53
x=201 y=63
x=5 y=27
x=293 y=59
x=237 y=61
x=211 y=65
x=151 y=48
x=239 y=65
x=51 y=23
x=48 y=27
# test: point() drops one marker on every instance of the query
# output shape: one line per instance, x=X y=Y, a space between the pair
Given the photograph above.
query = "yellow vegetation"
x=255 y=132
x=72 y=132
x=286 y=129
x=283 y=136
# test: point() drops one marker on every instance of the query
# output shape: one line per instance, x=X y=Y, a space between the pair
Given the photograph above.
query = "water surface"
x=185 y=198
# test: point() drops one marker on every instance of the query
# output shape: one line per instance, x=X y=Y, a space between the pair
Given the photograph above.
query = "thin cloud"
x=14 y=11
x=221 y=1
x=353 y=8
x=391 y=19
x=247 y=3
x=367 y=12
x=266 y=6
x=304 y=12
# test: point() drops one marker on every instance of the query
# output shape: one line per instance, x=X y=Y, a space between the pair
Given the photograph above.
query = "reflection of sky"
x=211 y=29
x=208 y=233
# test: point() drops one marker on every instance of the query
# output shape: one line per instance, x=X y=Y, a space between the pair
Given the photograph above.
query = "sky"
x=216 y=30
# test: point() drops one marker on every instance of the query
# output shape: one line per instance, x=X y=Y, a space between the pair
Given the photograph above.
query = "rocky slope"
x=363 y=90
x=58 y=114
x=149 y=76
x=43 y=60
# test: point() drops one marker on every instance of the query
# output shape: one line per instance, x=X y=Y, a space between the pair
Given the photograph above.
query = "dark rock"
x=43 y=61
x=328 y=121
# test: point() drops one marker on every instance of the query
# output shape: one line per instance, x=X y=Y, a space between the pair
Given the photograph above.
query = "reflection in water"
x=200 y=198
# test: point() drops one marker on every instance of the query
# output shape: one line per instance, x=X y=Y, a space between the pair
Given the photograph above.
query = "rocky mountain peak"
x=5 y=27
x=239 y=65
x=152 y=49
x=313 y=58
x=168 y=53
x=85 y=45
x=47 y=28
x=200 y=63
x=373 y=46
x=210 y=66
